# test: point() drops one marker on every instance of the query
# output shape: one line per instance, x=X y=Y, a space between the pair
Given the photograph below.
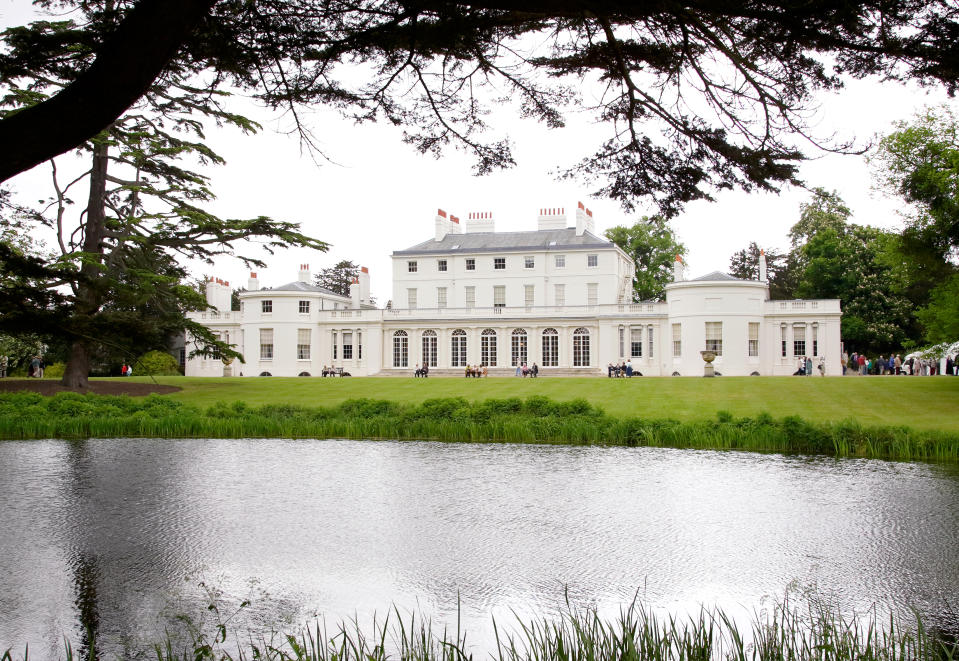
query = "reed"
x=535 y=419
x=812 y=632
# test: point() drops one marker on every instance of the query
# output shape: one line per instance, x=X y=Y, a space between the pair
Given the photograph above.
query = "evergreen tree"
x=144 y=208
x=698 y=97
x=653 y=246
x=780 y=269
x=338 y=277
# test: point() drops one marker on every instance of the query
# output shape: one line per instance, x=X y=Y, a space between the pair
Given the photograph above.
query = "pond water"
x=111 y=539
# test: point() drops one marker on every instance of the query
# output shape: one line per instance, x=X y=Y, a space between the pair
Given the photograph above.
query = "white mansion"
x=558 y=296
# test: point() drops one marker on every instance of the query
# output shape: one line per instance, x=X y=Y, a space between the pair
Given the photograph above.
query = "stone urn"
x=227 y=366
x=709 y=357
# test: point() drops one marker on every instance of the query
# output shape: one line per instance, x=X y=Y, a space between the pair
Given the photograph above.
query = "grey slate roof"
x=507 y=241
x=718 y=275
x=305 y=287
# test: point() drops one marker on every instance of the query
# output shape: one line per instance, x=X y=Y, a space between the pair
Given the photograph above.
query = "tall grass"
x=812 y=633
x=532 y=420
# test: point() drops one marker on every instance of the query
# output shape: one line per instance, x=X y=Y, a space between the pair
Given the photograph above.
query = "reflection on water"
x=106 y=540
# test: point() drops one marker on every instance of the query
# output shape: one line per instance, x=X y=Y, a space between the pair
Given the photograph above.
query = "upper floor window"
x=441 y=265
x=499 y=263
x=529 y=262
x=411 y=266
x=470 y=264
x=592 y=260
x=304 y=307
x=560 y=261
x=266 y=306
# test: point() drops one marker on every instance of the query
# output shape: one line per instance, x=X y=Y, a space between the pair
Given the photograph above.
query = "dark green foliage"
x=534 y=420
x=338 y=277
x=653 y=246
x=781 y=272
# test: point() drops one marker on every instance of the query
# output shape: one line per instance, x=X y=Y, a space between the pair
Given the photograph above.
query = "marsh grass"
x=535 y=419
x=812 y=632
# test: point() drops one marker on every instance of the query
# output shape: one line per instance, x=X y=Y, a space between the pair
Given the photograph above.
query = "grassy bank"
x=535 y=419
x=919 y=402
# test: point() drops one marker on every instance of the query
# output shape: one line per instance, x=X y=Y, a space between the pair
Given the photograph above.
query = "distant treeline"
x=531 y=420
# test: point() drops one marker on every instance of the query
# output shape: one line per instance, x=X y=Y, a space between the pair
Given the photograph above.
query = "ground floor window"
x=550 y=348
x=488 y=347
x=714 y=337
x=401 y=349
x=753 y=338
x=636 y=342
x=580 y=347
x=783 y=340
x=266 y=344
x=518 y=355
x=429 y=348
x=347 y=345
x=799 y=340
x=458 y=348
x=677 y=340
x=303 y=344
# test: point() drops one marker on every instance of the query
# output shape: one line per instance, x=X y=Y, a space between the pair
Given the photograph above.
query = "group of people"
x=894 y=364
x=330 y=371
x=620 y=370
x=805 y=367
x=126 y=370
x=525 y=370
x=422 y=372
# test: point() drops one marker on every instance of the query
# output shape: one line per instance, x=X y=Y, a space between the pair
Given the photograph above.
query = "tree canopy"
x=698 y=96
x=653 y=246
x=919 y=161
x=338 y=277
x=115 y=282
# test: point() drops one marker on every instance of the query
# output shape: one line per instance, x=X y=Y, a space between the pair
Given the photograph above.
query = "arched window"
x=581 y=347
x=401 y=349
x=429 y=348
x=518 y=354
x=458 y=348
x=488 y=347
x=550 y=348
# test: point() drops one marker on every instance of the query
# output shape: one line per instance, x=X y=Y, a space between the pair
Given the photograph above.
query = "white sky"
x=380 y=195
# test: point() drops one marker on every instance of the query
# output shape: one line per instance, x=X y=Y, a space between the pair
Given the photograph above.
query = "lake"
x=112 y=539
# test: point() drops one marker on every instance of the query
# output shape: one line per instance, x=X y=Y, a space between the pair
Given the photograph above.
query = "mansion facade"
x=558 y=296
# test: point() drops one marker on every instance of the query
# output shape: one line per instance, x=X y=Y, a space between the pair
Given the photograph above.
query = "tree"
x=653 y=246
x=940 y=317
x=919 y=162
x=338 y=277
x=699 y=96
x=780 y=269
x=144 y=208
x=836 y=259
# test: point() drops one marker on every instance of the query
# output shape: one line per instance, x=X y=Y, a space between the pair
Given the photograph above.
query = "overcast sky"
x=380 y=195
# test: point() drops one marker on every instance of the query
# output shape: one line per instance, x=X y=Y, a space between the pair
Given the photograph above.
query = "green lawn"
x=918 y=402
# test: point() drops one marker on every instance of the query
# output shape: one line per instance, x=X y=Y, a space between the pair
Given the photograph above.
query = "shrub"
x=157 y=363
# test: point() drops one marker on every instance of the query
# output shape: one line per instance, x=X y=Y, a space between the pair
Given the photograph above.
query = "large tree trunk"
x=88 y=296
x=76 y=373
